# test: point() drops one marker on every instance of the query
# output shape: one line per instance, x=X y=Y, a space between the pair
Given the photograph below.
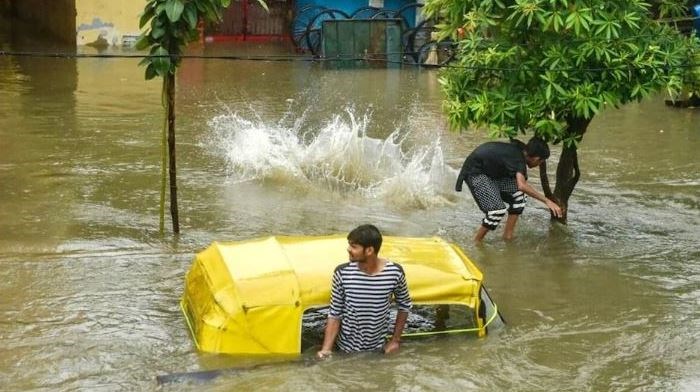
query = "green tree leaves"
x=190 y=15
x=168 y=26
x=160 y=60
x=579 y=20
x=174 y=8
x=535 y=65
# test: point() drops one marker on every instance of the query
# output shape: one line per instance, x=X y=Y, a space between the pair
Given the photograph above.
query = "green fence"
x=362 y=43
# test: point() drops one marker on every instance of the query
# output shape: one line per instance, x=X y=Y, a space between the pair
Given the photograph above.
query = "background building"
x=104 y=23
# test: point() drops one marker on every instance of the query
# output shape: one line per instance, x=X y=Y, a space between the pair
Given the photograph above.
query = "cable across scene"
x=367 y=57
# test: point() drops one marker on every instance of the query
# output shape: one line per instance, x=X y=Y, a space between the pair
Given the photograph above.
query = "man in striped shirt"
x=361 y=295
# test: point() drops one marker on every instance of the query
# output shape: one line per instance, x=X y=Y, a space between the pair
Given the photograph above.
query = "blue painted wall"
x=350 y=6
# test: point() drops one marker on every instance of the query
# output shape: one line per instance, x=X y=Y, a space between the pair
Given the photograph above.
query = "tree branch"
x=574 y=172
x=544 y=179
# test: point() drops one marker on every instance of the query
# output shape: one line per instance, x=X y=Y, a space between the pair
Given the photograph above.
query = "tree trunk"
x=163 y=156
x=171 y=152
x=568 y=172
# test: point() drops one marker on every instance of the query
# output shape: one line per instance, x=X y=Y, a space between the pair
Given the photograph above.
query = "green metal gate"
x=362 y=43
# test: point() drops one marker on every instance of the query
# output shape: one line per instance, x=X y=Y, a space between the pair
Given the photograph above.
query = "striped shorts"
x=495 y=197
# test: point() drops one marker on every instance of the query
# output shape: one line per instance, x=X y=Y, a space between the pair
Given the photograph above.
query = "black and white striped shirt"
x=361 y=302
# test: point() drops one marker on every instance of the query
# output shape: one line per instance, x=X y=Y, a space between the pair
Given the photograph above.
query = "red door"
x=246 y=19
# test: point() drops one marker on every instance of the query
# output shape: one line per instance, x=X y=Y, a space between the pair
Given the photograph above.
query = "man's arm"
x=335 y=312
x=524 y=186
x=403 y=300
x=393 y=344
x=331 y=333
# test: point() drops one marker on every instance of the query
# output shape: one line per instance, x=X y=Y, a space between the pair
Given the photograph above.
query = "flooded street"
x=90 y=289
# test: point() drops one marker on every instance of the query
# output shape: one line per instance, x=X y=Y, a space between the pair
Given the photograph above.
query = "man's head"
x=536 y=152
x=364 y=242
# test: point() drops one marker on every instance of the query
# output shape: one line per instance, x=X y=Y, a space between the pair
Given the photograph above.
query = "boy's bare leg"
x=480 y=234
x=510 y=226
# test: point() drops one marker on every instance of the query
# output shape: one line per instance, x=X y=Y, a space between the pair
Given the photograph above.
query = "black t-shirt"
x=496 y=160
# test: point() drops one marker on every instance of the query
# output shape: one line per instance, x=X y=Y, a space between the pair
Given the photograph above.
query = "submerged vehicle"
x=252 y=296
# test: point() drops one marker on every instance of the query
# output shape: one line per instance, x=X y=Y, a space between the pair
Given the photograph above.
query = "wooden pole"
x=171 y=153
x=244 y=4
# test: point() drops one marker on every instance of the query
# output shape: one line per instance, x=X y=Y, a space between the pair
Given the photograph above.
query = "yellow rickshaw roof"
x=249 y=296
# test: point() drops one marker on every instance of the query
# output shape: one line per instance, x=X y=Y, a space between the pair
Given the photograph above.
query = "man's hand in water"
x=391 y=347
x=324 y=354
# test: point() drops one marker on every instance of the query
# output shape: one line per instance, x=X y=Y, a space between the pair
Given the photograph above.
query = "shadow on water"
x=38 y=135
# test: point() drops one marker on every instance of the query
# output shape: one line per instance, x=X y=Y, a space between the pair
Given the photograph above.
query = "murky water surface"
x=90 y=290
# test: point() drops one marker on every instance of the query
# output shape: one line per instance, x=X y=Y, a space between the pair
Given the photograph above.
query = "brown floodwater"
x=90 y=289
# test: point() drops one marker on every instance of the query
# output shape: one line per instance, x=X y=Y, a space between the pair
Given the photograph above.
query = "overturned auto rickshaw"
x=250 y=297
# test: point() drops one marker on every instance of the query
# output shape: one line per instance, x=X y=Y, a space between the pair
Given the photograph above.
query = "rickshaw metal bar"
x=189 y=324
x=495 y=313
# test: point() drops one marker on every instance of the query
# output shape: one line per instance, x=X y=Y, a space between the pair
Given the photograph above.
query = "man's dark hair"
x=537 y=147
x=366 y=236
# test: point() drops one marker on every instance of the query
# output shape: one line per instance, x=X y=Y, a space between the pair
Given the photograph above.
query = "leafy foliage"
x=538 y=65
x=692 y=78
x=169 y=26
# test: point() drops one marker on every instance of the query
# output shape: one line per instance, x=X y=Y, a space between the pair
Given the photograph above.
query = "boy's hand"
x=556 y=210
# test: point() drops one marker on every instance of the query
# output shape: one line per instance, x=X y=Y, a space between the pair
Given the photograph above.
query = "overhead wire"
x=378 y=57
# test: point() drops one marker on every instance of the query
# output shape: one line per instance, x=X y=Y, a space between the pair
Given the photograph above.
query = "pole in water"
x=208 y=375
x=204 y=375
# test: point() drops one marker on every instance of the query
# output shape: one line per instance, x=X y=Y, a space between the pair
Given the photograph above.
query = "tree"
x=549 y=66
x=169 y=26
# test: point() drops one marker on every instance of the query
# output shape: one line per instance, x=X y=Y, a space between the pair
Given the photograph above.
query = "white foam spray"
x=338 y=156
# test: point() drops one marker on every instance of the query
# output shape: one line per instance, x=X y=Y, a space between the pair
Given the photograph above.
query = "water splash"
x=338 y=156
